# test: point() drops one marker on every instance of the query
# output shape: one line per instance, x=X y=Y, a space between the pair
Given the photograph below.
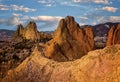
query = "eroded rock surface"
x=98 y=66
x=113 y=36
x=69 y=41
x=30 y=32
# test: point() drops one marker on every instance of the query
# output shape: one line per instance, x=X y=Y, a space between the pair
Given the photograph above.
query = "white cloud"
x=69 y=3
x=16 y=8
x=114 y=19
x=42 y=1
x=46 y=18
x=82 y=17
x=43 y=22
x=101 y=1
x=103 y=19
x=47 y=3
x=65 y=3
x=3 y=7
x=109 y=9
x=78 y=1
x=94 y=1
x=94 y=23
x=82 y=24
x=22 y=8
x=16 y=15
x=14 y=20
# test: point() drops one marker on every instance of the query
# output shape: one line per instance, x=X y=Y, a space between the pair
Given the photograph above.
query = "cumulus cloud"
x=47 y=3
x=109 y=9
x=77 y=1
x=46 y=18
x=47 y=21
x=3 y=7
x=103 y=19
x=82 y=17
x=16 y=15
x=14 y=20
x=16 y=8
x=114 y=19
x=22 y=8
x=82 y=24
x=43 y=22
x=96 y=18
x=101 y=1
x=42 y=1
x=94 y=1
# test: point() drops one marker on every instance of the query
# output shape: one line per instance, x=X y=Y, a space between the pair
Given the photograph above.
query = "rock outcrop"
x=97 y=66
x=30 y=32
x=69 y=41
x=113 y=36
x=44 y=37
x=19 y=32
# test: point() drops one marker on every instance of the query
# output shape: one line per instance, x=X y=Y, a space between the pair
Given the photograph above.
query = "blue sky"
x=47 y=13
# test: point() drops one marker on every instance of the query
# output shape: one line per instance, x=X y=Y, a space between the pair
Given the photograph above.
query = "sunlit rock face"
x=30 y=32
x=69 y=41
x=113 y=36
x=97 y=66
x=19 y=32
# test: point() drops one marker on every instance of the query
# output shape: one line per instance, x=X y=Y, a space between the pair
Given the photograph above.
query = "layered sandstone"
x=69 y=41
x=97 y=66
x=113 y=36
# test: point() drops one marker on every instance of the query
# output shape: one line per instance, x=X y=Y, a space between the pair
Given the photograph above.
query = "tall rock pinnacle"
x=113 y=36
x=30 y=32
x=69 y=41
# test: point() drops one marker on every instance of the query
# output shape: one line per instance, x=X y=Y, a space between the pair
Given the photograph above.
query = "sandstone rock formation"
x=97 y=66
x=113 y=36
x=69 y=41
x=30 y=32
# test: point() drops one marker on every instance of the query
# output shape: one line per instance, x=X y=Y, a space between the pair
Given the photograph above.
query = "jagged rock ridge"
x=98 y=66
x=69 y=41
x=113 y=35
x=30 y=32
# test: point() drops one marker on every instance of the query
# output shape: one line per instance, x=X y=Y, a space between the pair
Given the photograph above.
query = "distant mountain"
x=101 y=29
x=101 y=32
x=50 y=32
x=6 y=34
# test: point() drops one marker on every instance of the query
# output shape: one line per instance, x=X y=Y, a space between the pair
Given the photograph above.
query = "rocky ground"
x=12 y=54
x=97 y=66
